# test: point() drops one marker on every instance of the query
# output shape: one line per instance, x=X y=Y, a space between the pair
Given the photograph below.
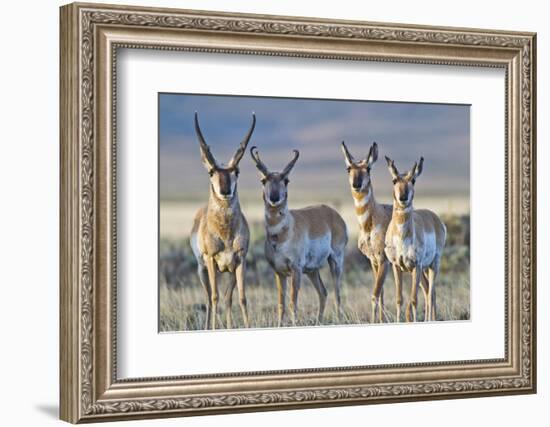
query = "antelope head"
x=403 y=184
x=223 y=178
x=274 y=183
x=359 y=170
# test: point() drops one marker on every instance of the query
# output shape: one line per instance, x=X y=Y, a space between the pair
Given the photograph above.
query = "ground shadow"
x=49 y=409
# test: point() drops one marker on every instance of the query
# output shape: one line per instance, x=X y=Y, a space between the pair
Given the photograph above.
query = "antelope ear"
x=418 y=168
x=391 y=167
x=347 y=155
x=373 y=154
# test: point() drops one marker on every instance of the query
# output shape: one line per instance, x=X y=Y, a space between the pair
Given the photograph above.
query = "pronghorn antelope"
x=373 y=220
x=414 y=240
x=300 y=241
x=220 y=234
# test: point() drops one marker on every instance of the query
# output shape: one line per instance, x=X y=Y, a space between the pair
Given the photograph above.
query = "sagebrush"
x=183 y=305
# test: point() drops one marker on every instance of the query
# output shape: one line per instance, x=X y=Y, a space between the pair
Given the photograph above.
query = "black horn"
x=242 y=146
x=259 y=164
x=206 y=154
x=289 y=167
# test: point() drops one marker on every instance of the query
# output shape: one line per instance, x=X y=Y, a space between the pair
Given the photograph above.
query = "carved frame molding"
x=90 y=37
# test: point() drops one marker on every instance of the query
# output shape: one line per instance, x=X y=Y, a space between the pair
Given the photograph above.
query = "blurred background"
x=403 y=131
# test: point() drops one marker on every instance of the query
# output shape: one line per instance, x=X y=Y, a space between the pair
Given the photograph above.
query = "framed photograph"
x=267 y=212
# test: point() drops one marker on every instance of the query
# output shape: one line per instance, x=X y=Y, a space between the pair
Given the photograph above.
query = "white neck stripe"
x=404 y=210
x=363 y=218
x=363 y=201
x=275 y=229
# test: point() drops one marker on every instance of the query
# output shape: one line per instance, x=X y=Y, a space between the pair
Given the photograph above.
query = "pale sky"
x=403 y=131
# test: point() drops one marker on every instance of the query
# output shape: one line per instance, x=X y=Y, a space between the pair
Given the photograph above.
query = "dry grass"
x=182 y=298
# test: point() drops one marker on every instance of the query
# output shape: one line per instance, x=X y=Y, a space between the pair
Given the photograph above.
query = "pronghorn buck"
x=220 y=234
x=373 y=220
x=414 y=240
x=300 y=241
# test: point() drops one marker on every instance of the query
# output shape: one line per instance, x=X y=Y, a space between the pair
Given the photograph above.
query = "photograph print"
x=291 y=212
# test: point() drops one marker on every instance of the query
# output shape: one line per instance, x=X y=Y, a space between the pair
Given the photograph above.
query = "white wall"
x=29 y=170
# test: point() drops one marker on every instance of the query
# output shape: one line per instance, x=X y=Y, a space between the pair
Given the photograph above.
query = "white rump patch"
x=194 y=241
x=430 y=248
x=317 y=252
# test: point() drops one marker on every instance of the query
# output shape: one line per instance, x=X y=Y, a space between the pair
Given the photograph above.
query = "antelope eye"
x=237 y=172
x=394 y=181
x=211 y=172
x=348 y=169
x=287 y=181
x=263 y=181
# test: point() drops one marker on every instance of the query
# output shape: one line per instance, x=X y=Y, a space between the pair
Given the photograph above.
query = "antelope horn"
x=259 y=164
x=349 y=157
x=242 y=147
x=206 y=154
x=289 y=167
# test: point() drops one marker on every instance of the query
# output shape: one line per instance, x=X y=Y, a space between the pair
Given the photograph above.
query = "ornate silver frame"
x=90 y=36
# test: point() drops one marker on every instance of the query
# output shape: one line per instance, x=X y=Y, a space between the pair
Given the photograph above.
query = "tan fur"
x=414 y=241
x=220 y=228
x=358 y=195
x=373 y=219
x=300 y=241
x=318 y=221
x=293 y=251
x=312 y=222
x=220 y=236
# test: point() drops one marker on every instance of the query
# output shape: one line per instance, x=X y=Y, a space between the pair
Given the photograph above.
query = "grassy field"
x=182 y=298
